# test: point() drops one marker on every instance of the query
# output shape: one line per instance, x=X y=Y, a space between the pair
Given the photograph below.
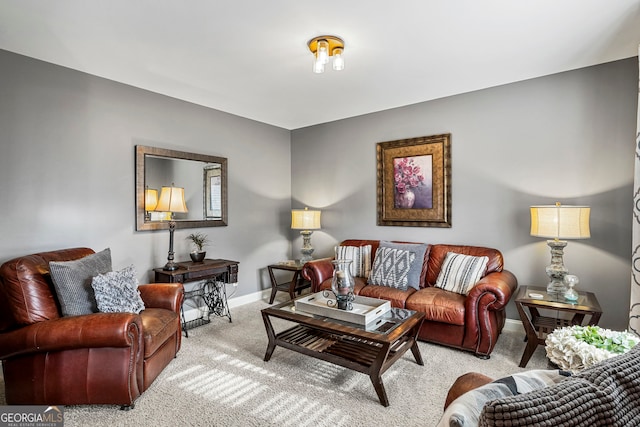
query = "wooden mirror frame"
x=143 y=224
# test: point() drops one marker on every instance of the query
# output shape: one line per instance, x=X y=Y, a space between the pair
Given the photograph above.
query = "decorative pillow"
x=391 y=267
x=72 y=282
x=459 y=273
x=117 y=291
x=361 y=257
x=416 y=268
x=466 y=409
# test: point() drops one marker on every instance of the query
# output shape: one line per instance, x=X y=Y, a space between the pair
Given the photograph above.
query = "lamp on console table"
x=171 y=201
x=559 y=222
x=307 y=221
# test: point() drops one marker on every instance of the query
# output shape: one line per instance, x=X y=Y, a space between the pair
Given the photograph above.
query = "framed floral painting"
x=414 y=181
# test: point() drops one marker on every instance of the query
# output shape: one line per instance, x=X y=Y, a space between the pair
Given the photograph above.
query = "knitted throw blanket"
x=607 y=394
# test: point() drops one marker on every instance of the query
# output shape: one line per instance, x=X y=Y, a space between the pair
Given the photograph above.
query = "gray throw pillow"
x=413 y=278
x=72 y=282
x=117 y=291
x=391 y=267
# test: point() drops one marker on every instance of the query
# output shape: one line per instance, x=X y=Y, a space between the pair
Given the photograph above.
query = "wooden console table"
x=213 y=275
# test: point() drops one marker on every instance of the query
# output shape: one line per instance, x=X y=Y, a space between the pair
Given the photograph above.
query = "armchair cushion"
x=391 y=267
x=72 y=282
x=117 y=291
x=460 y=273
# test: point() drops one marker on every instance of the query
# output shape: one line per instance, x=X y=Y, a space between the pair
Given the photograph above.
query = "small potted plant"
x=199 y=241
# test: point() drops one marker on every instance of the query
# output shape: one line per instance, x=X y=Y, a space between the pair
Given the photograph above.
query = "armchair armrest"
x=317 y=271
x=73 y=332
x=162 y=295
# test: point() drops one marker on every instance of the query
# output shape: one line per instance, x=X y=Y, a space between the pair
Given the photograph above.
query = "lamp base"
x=307 y=249
x=556 y=271
x=170 y=266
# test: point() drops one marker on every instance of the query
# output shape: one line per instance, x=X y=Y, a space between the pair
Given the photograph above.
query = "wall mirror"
x=204 y=179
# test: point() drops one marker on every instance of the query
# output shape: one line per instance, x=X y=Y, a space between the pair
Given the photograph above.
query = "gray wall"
x=568 y=137
x=67 y=170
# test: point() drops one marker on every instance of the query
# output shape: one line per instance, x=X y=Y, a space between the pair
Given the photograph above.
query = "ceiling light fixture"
x=325 y=47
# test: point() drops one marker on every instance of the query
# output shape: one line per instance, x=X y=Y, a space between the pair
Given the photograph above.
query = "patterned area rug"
x=220 y=379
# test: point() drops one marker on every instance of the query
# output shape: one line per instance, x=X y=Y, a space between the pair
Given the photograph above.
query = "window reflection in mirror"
x=202 y=177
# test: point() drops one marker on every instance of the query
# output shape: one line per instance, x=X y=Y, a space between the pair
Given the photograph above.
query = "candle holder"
x=342 y=285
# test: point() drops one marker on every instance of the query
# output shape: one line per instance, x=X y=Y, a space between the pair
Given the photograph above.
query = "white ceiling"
x=250 y=58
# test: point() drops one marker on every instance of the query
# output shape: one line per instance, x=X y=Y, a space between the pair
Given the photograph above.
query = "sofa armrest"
x=73 y=332
x=501 y=285
x=162 y=295
x=317 y=271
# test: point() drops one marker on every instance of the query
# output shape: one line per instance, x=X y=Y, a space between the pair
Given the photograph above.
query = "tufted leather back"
x=27 y=294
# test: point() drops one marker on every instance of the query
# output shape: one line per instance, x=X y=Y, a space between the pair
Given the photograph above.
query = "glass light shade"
x=318 y=66
x=338 y=60
x=323 y=51
x=560 y=222
x=150 y=199
x=304 y=219
x=172 y=200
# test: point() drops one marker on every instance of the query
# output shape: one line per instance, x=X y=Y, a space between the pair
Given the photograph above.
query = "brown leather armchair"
x=100 y=358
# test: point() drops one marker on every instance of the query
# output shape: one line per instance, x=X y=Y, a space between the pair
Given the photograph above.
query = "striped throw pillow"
x=361 y=257
x=459 y=273
x=391 y=268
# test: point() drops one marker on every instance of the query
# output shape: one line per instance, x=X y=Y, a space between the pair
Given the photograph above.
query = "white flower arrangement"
x=579 y=347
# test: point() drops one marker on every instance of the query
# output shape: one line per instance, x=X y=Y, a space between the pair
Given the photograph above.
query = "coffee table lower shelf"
x=368 y=356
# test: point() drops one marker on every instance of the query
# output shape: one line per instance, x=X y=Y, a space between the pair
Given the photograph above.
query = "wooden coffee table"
x=346 y=344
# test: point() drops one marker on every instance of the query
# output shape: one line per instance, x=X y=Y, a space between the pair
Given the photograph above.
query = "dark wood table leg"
x=274 y=285
x=272 y=337
x=375 y=373
x=293 y=284
x=414 y=348
x=532 y=336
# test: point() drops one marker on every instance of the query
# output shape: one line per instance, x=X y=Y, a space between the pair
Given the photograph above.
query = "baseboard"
x=512 y=325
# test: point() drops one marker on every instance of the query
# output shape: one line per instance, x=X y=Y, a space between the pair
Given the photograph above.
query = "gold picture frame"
x=414 y=182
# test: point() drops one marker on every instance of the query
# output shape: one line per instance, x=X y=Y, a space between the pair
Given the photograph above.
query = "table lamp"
x=150 y=202
x=171 y=201
x=559 y=222
x=307 y=221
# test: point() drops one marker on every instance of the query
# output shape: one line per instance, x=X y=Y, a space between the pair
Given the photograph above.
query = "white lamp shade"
x=304 y=219
x=172 y=200
x=150 y=199
x=560 y=222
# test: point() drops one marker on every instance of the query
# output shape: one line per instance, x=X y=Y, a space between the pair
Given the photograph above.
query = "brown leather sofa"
x=100 y=358
x=472 y=322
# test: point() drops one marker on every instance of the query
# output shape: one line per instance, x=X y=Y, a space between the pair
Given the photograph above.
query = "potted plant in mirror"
x=199 y=241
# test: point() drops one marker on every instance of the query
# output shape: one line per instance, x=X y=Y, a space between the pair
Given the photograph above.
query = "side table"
x=297 y=283
x=213 y=274
x=537 y=327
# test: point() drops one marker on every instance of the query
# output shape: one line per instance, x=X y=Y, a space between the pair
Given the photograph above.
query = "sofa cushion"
x=466 y=409
x=397 y=297
x=72 y=282
x=117 y=291
x=360 y=257
x=391 y=267
x=438 y=305
x=413 y=278
x=459 y=273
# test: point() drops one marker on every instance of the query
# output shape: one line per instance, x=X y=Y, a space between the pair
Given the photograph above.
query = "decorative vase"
x=570 y=294
x=197 y=256
x=405 y=200
x=342 y=283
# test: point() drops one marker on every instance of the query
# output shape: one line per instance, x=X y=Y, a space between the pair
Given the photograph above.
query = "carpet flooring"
x=220 y=379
